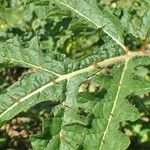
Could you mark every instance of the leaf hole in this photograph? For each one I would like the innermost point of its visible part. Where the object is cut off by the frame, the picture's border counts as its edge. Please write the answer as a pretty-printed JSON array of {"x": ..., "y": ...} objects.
[
  {"x": 82, "y": 112},
  {"x": 88, "y": 86},
  {"x": 142, "y": 72}
]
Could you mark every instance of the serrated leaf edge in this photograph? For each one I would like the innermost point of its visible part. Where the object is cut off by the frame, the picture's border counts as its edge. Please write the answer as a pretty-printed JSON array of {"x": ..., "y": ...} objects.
[{"x": 97, "y": 25}]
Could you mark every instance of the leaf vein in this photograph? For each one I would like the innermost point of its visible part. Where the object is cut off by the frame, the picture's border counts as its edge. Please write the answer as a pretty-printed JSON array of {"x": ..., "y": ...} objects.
[
  {"x": 93, "y": 22},
  {"x": 114, "y": 104}
]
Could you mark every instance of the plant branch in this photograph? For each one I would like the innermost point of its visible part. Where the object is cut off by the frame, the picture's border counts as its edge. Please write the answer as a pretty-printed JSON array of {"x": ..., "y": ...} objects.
[{"x": 102, "y": 64}]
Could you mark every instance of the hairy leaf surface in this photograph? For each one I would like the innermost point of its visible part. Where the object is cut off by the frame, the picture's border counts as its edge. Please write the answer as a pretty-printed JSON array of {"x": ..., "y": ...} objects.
[
  {"x": 93, "y": 15},
  {"x": 89, "y": 60},
  {"x": 96, "y": 127}
]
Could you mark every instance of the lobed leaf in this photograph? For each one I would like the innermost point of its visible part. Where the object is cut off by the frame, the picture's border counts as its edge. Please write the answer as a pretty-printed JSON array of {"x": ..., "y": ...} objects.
[
  {"x": 12, "y": 52},
  {"x": 91, "y": 100},
  {"x": 90, "y": 12},
  {"x": 93, "y": 122}
]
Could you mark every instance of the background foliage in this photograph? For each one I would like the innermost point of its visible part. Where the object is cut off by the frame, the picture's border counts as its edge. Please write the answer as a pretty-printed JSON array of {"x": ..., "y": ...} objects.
[{"x": 42, "y": 39}]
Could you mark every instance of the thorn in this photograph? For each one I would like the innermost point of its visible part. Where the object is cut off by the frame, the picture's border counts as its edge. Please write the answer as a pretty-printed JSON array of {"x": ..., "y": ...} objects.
[
  {"x": 14, "y": 99},
  {"x": 119, "y": 83},
  {"x": 127, "y": 50},
  {"x": 142, "y": 49},
  {"x": 54, "y": 82},
  {"x": 111, "y": 115},
  {"x": 61, "y": 136},
  {"x": 127, "y": 53},
  {"x": 64, "y": 105},
  {"x": 95, "y": 66},
  {"x": 17, "y": 101},
  {"x": 103, "y": 141},
  {"x": 143, "y": 46}
]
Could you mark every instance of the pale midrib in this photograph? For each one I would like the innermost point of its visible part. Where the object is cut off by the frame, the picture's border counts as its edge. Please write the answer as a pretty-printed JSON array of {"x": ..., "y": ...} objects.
[
  {"x": 64, "y": 117},
  {"x": 34, "y": 66},
  {"x": 101, "y": 64},
  {"x": 97, "y": 25},
  {"x": 114, "y": 105}
]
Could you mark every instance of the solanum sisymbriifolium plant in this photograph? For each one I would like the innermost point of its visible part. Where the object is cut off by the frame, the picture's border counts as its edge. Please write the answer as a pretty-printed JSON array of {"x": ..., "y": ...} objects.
[{"x": 90, "y": 58}]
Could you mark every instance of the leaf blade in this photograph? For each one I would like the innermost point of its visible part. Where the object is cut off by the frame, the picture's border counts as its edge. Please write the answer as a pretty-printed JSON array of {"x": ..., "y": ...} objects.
[{"x": 97, "y": 17}]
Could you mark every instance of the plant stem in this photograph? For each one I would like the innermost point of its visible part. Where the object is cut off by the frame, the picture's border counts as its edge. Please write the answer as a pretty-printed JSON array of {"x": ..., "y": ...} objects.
[{"x": 102, "y": 64}]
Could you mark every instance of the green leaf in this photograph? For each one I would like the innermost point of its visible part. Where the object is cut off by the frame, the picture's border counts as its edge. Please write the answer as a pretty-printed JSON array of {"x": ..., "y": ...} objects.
[
  {"x": 27, "y": 92},
  {"x": 72, "y": 55},
  {"x": 145, "y": 26},
  {"x": 80, "y": 126},
  {"x": 32, "y": 87},
  {"x": 95, "y": 16},
  {"x": 139, "y": 26},
  {"x": 12, "y": 52}
]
